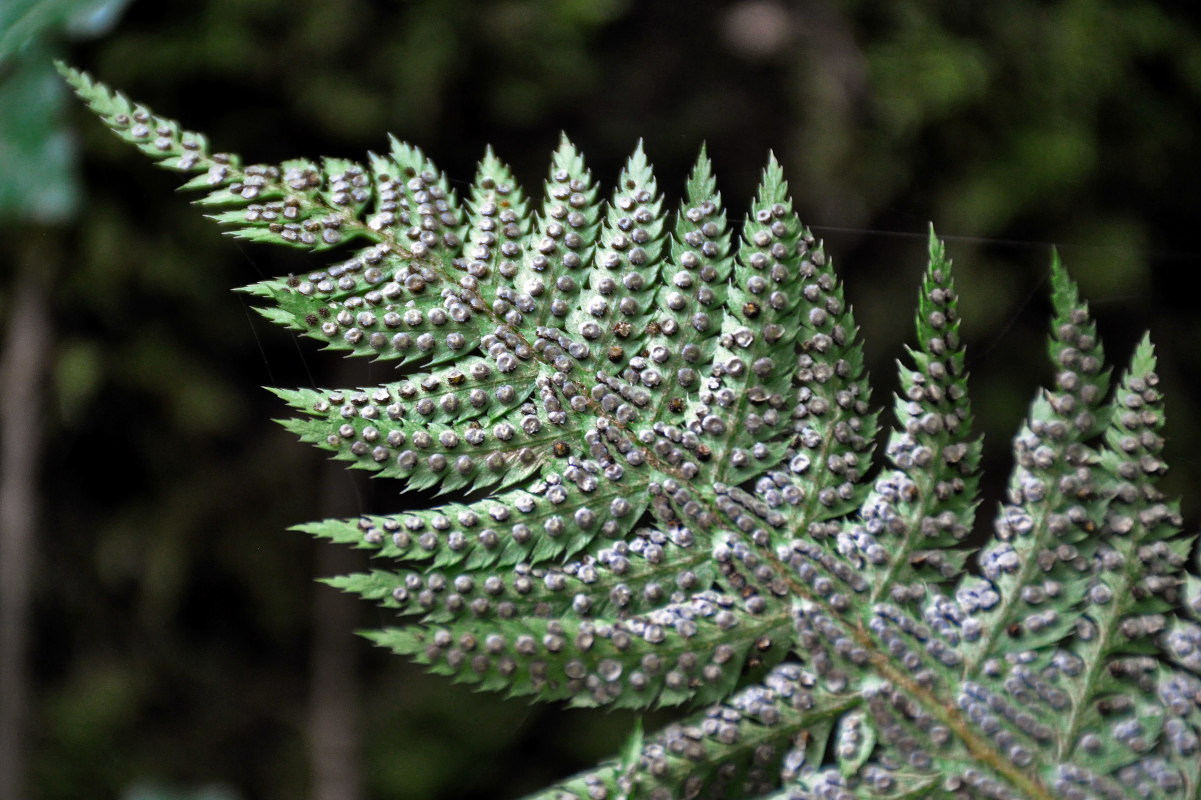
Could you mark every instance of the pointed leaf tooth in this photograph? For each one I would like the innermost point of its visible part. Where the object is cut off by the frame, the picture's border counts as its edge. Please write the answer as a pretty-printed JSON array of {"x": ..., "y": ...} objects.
[
  {"x": 632, "y": 749},
  {"x": 376, "y": 585},
  {"x": 623, "y": 275},
  {"x": 365, "y": 532},
  {"x": 500, "y": 224},
  {"x": 927, "y": 502},
  {"x": 554, "y": 269},
  {"x": 753, "y": 365},
  {"x": 694, "y": 279},
  {"x": 279, "y": 316},
  {"x": 307, "y": 400},
  {"x": 1077, "y": 354},
  {"x": 435, "y": 226}
]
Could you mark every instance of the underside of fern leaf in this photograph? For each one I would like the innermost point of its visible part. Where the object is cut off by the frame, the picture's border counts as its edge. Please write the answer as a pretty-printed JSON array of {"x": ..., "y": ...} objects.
[{"x": 658, "y": 432}]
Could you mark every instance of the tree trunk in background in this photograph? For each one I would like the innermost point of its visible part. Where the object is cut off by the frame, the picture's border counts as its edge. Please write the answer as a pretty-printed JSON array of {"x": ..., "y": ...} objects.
[
  {"x": 333, "y": 693},
  {"x": 22, "y": 369}
]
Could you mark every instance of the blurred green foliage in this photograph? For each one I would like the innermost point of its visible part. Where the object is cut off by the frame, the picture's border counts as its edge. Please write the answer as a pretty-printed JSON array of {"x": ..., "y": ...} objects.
[
  {"x": 173, "y": 609},
  {"x": 38, "y": 159}
]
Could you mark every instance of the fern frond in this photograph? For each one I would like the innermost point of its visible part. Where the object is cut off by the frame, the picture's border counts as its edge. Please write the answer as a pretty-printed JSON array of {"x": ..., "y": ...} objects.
[{"x": 662, "y": 432}]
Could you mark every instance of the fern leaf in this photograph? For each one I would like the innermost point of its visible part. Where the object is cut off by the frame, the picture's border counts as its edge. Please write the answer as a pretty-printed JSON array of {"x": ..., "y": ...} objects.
[{"x": 660, "y": 438}]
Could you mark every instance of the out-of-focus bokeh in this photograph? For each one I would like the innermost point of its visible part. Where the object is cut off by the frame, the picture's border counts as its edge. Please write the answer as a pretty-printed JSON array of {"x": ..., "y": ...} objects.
[{"x": 176, "y": 644}]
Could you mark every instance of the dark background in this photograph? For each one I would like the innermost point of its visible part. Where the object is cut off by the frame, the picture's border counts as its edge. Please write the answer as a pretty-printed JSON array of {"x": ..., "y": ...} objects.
[{"x": 179, "y": 645}]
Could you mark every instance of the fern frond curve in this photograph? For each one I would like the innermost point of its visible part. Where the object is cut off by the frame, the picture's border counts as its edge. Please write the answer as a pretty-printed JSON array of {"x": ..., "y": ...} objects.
[{"x": 657, "y": 435}]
